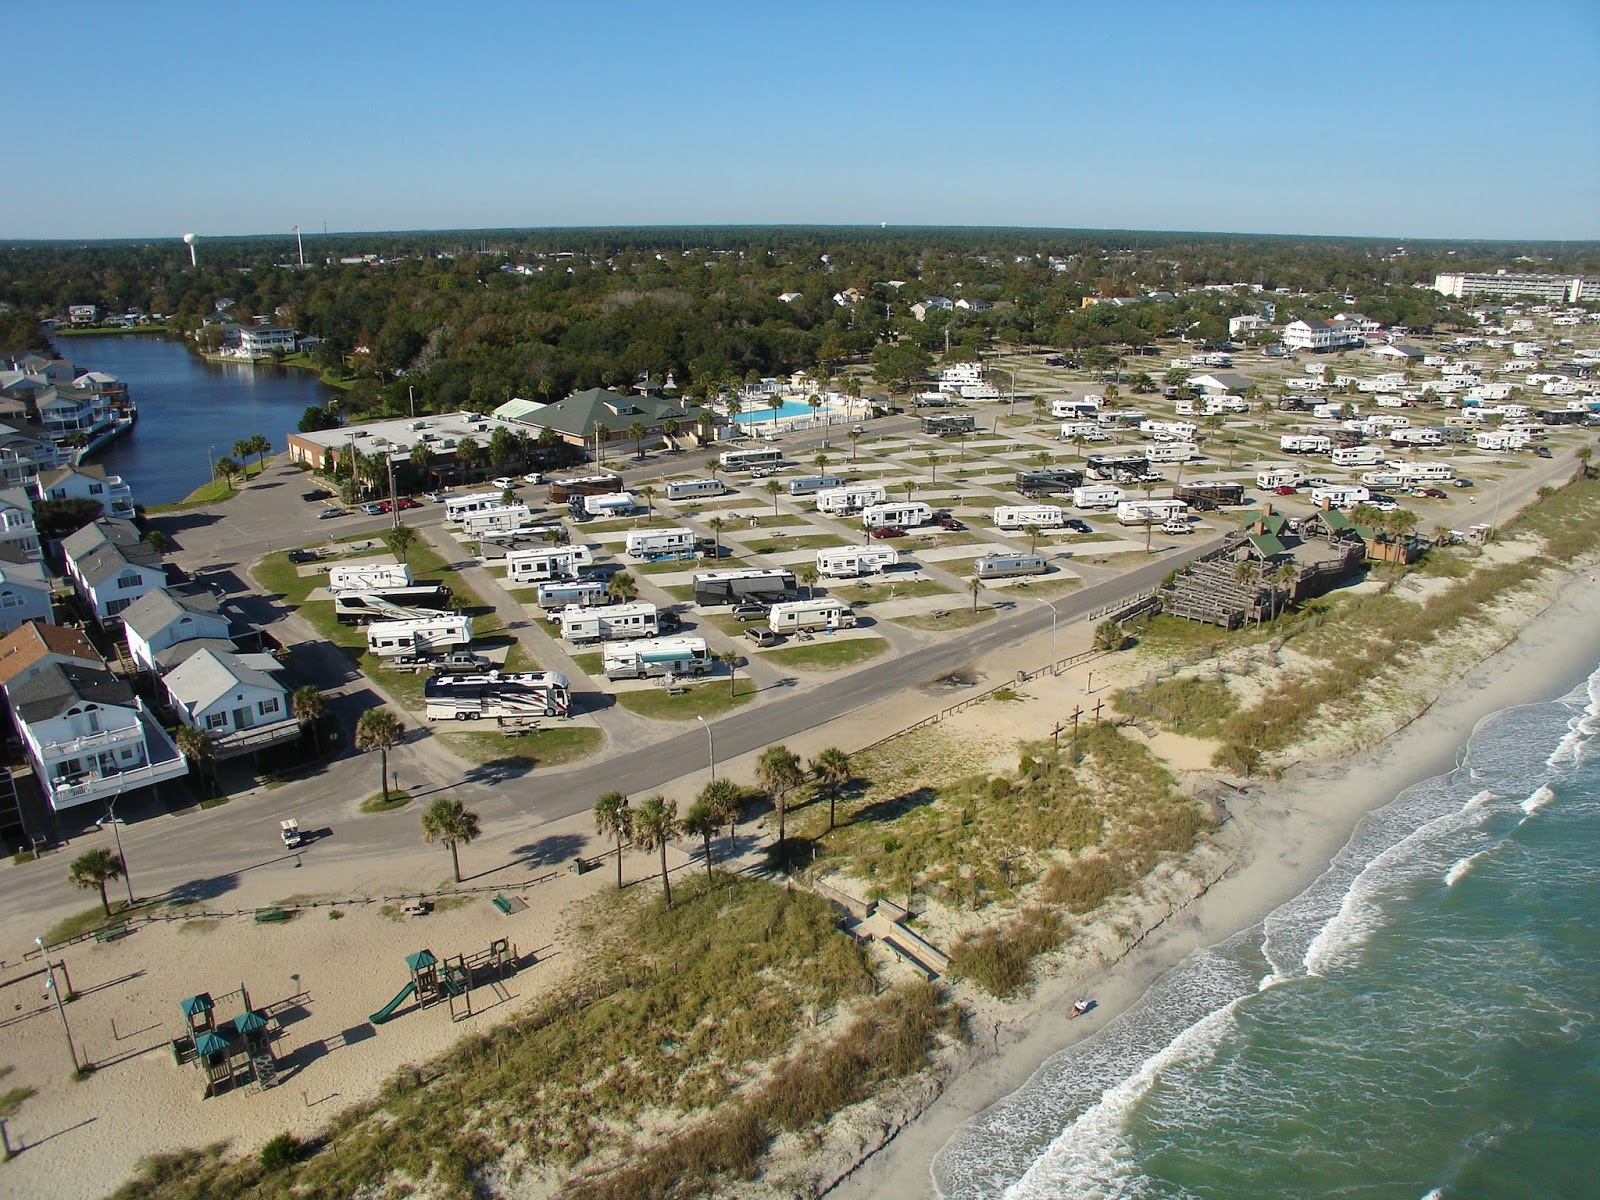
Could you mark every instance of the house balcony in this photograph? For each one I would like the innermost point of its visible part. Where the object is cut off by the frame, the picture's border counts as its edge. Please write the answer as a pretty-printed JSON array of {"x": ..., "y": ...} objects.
[
  {"x": 163, "y": 763},
  {"x": 257, "y": 737},
  {"x": 92, "y": 743}
]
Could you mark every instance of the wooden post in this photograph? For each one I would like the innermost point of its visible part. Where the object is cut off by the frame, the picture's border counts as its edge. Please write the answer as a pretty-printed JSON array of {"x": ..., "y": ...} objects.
[
  {"x": 1098, "y": 705},
  {"x": 1076, "y": 713},
  {"x": 5, "y": 1142}
]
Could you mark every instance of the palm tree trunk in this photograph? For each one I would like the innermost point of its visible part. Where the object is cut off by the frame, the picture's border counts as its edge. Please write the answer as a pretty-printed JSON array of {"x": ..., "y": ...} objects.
[
  {"x": 383, "y": 774},
  {"x": 783, "y": 820},
  {"x": 619, "y": 860},
  {"x": 455, "y": 860},
  {"x": 666, "y": 884},
  {"x": 833, "y": 800},
  {"x": 104, "y": 903},
  {"x": 708, "y": 855}
]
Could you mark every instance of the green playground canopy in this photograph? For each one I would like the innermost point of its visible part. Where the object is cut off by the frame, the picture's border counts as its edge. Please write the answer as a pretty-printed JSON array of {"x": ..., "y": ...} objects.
[
  {"x": 210, "y": 1043},
  {"x": 197, "y": 1004},
  {"x": 422, "y": 958},
  {"x": 250, "y": 1022}
]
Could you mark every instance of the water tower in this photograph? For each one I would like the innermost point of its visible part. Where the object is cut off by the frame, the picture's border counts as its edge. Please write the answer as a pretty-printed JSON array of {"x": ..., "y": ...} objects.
[{"x": 189, "y": 240}]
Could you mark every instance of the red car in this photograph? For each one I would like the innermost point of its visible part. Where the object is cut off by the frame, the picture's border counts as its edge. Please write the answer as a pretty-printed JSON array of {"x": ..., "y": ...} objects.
[
  {"x": 381, "y": 505},
  {"x": 1432, "y": 493},
  {"x": 402, "y": 505},
  {"x": 946, "y": 521},
  {"x": 889, "y": 531},
  {"x": 1285, "y": 491}
]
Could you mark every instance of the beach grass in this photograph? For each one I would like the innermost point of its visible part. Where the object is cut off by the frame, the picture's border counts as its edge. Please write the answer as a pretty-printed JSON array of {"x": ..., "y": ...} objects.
[
  {"x": 828, "y": 655},
  {"x": 377, "y": 803}
]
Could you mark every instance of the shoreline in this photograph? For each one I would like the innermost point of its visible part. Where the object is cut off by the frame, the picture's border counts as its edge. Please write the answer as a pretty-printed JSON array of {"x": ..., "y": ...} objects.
[{"x": 1286, "y": 834}]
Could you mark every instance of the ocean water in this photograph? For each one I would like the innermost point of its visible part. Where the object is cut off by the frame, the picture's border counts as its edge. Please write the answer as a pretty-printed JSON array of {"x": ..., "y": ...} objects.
[{"x": 1422, "y": 1023}]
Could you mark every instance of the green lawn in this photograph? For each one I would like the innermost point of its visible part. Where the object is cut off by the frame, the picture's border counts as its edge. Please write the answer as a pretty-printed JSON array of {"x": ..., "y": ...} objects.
[
  {"x": 589, "y": 663},
  {"x": 828, "y": 655},
  {"x": 953, "y": 618},
  {"x": 548, "y": 746},
  {"x": 215, "y": 492},
  {"x": 865, "y": 593},
  {"x": 701, "y": 700},
  {"x": 375, "y": 803}
]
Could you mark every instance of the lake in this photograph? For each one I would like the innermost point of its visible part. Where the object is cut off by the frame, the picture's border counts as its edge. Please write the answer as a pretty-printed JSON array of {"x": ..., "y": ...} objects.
[{"x": 190, "y": 410}]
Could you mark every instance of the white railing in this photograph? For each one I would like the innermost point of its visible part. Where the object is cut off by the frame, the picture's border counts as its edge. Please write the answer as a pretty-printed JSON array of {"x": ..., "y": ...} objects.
[
  {"x": 96, "y": 784},
  {"x": 90, "y": 741}
]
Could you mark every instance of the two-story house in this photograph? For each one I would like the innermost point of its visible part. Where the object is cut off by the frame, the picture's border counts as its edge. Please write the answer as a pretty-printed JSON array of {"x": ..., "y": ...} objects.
[
  {"x": 87, "y": 482},
  {"x": 25, "y": 450},
  {"x": 110, "y": 567},
  {"x": 88, "y": 737},
  {"x": 159, "y": 620},
  {"x": 25, "y": 591},
  {"x": 233, "y": 698},
  {"x": 17, "y": 529}
]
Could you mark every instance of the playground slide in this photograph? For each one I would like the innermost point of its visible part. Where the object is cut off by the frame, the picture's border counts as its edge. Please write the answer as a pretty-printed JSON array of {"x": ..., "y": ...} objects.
[{"x": 387, "y": 1011}]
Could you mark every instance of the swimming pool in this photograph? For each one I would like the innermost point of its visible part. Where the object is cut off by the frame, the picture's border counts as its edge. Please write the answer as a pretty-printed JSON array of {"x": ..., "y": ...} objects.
[{"x": 791, "y": 408}]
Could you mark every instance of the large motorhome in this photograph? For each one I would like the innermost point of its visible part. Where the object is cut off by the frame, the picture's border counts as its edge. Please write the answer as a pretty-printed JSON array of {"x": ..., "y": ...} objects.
[
  {"x": 617, "y": 623},
  {"x": 839, "y": 502},
  {"x": 497, "y": 696},
  {"x": 1150, "y": 512},
  {"x": 362, "y": 607},
  {"x": 902, "y": 514},
  {"x": 1276, "y": 477},
  {"x": 847, "y": 562},
  {"x": 356, "y": 577},
  {"x": 693, "y": 489},
  {"x": 807, "y": 484},
  {"x": 1097, "y": 495},
  {"x": 563, "y": 491},
  {"x": 457, "y": 507},
  {"x": 949, "y": 424},
  {"x": 1206, "y": 496},
  {"x": 1065, "y": 406},
  {"x": 1116, "y": 466},
  {"x": 1000, "y": 566},
  {"x": 1339, "y": 496},
  {"x": 431, "y": 635},
  {"x": 1180, "y": 431},
  {"x": 546, "y": 562},
  {"x": 560, "y": 594},
  {"x": 656, "y": 657},
  {"x": 1165, "y": 452},
  {"x": 609, "y": 504},
  {"x": 496, "y": 520},
  {"x": 792, "y": 616},
  {"x": 752, "y": 585},
  {"x": 653, "y": 545},
  {"x": 749, "y": 460},
  {"x": 1053, "y": 479},
  {"x": 1020, "y": 516},
  {"x": 1356, "y": 456},
  {"x": 1417, "y": 436},
  {"x": 1088, "y": 431}
]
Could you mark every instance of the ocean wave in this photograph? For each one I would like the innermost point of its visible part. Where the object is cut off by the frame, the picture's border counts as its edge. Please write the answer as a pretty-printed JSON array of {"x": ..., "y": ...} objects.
[
  {"x": 1540, "y": 798},
  {"x": 1461, "y": 867},
  {"x": 1582, "y": 728}
]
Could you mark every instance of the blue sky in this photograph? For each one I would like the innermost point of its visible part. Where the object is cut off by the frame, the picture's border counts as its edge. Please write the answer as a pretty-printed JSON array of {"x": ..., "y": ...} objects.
[{"x": 1411, "y": 119}]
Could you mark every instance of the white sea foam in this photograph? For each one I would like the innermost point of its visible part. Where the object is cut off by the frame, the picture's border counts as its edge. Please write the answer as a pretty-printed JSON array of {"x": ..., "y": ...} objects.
[
  {"x": 1436, "y": 1194},
  {"x": 1461, "y": 867},
  {"x": 1582, "y": 728},
  {"x": 1541, "y": 798}
]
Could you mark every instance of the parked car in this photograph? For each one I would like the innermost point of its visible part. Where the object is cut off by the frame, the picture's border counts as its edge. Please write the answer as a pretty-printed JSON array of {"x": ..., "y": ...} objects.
[
  {"x": 316, "y": 494},
  {"x": 1384, "y": 505},
  {"x": 946, "y": 521},
  {"x": 889, "y": 531},
  {"x": 1432, "y": 493},
  {"x": 304, "y": 556},
  {"x": 405, "y": 503},
  {"x": 462, "y": 660},
  {"x": 1542, "y": 451},
  {"x": 762, "y": 636},
  {"x": 1462, "y": 483},
  {"x": 533, "y": 477},
  {"x": 503, "y": 482},
  {"x": 1284, "y": 490},
  {"x": 325, "y": 513},
  {"x": 667, "y": 621},
  {"x": 375, "y": 509},
  {"x": 1176, "y": 526},
  {"x": 748, "y": 612},
  {"x": 1074, "y": 525},
  {"x": 435, "y": 497}
]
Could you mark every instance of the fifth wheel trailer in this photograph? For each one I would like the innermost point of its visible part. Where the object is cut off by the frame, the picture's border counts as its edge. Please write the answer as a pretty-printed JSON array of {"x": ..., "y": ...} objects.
[
  {"x": 1020, "y": 516},
  {"x": 436, "y": 635},
  {"x": 1150, "y": 512},
  {"x": 472, "y": 697},
  {"x": 847, "y": 562},
  {"x": 614, "y": 624},
  {"x": 900, "y": 513},
  {"x": 656, "y": 544},
  {"x": 657, "y": 656}
]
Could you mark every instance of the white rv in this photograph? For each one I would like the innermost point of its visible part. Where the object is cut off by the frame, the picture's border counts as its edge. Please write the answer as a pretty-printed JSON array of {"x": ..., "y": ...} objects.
[
  {"x": 790, "y": 616},
  {"x": 560, "y": 594},
  {"x": 655, "y": 657},
  {"x": 546, "y": 562},
  {"x": 457, "y": 507},
  {"x": 840, "y": 502},
  {"x": 1001, "y": 566},
  {"x": 1339, "y": 496},
  {"x": 1356, "y": 456},
  {"x": 1151, "y": 512},
  {"x": 847, "y": 562},
  {"x": 654, "y": 544},
  {"x": 1167, "y": 452},
  {"x": 1101, "y": 495},
  {"x": 431, "y": 635},
  {"x": 903, "y": 514},
  {"x": 1065, "y": 406},
  {"x": 1416, "y": 437},
  {"x": 1385, "y": 478},
  {"x": 615, "y": 624},
  {"x": 505, "y": 517},
  {"x": 1276, "y": 477},
  {"x": 692, "y": 489},
  {"x": 1305, "y": 443},
  {"x": 1087, "y": 430},
  {"x": 611, "y": 504},
  {"x": 1177, "y": 430},
  {"x": 496, "y": 695},
  {"x": 371, "y": 577},
  {"x": 1020, "y": 516},
  {"x": 1424, "y": 472}
]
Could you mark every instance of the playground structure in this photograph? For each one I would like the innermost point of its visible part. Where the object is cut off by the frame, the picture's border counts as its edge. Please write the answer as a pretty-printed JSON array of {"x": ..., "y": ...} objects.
[
  {"x": 453, "y": 979},
  {"x": 230, "y": 1052}
]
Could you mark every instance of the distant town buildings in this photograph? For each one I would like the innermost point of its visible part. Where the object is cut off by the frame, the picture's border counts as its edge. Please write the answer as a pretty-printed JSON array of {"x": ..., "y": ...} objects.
[
  {"x": 1562, "y": 289},
  {"x": 1316, "y": 334}
]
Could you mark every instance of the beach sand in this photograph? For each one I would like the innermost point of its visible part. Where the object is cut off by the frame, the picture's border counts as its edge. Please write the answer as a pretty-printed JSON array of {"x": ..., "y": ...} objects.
[{"x": 1285, "y": 834}]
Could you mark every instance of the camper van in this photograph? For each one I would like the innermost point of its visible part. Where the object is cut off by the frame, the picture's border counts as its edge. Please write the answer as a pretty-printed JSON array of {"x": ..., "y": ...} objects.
[
  {"x": 505, "y": 518},
  {"x": 653, "y": 545},
  {"x": 693, "y": 489},
  {"x": 1166, "y": 452},
  {"x": 496, "y": 696},
  {"x": 848, "y": 562},
  {"x": 1000, "y": 566},
  {"x": 432, "y": 635},
  {"x": 556, "y": 595},
  {"x": 546, "y": 562},
  {"x": 839, "y": 502},
  {"x": 611, "y": 504},
  {"x": 753, "y": 585},
  {"x": 355, "y": 577},
  {"x": 1357, "y": 456},
  {"x": 792, "y": 616},
  {"x": 1020, "y": 516},
  {"x": 1277, "y": 477},
  {"x": 903, "y": 514},
  {"x": 807, "y": 484},
  {"x": 618, "y": 623},
  {"x": 657, "y": 657},
  {"x": 1151, "y": 512},
  {"x": 1097, "y": 496},
  {"x": 1337, "y": 496}
]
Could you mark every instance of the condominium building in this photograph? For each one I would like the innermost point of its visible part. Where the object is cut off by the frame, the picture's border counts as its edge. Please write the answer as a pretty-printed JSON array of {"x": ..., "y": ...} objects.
[{"x": 1560, "y": 289}]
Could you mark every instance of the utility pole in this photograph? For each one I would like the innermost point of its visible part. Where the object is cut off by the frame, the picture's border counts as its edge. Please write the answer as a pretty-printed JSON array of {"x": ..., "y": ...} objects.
[
  {"x": 55, "y": 990},
  {"x": 394, "y": 507}
]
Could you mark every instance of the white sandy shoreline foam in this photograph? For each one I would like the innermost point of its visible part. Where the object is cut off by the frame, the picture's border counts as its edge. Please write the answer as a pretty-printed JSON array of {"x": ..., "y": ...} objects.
[{"x": 1290, "y": 833}]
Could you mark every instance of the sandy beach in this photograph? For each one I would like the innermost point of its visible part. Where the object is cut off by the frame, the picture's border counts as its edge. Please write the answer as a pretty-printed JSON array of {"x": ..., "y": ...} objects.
[{"x": 1285, "y": 834}]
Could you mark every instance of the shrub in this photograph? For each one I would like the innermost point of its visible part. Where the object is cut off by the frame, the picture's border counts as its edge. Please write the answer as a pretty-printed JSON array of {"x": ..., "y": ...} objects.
[
  {"x": 280, "y": 1152},
  {"x": 1087, "y": 883},
  {"x": 997, "y": 959},
  {"x": 999, "y": 787}
]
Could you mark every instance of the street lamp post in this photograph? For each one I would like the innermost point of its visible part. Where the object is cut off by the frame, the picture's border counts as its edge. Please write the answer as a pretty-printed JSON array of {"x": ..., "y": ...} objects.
[
  {"x": 211, "y": 465},
  {"x": 711, "y": 747},
  {"x": 116, "y": 824},
  {"x": 55, "y": 990}
]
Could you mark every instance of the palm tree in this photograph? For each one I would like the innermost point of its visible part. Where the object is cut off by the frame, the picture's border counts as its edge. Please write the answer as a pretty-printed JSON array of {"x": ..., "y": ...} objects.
[
  {"x": 614, "y": 819},
  {"x": 1584, "y": 454},
  {"x": 831, "y": 769},
  {"x": 242, "y": 451},
  {"x": 92, "y": 869},
  {"x": 422, "y": 459},
  {"x": 730, "y": 659},
  {"x": 225, "y": 468},
  {"x": 451, "y": 822},
  {"x": 808, "y": 576},
  {"x": 1108, "y": 635},
  {"x": 400, "y": 539},
  {"x": 380, "y": 730},
  {"x": 1033, "y": 532},
  {"x": 778, "y": 768},
  {"x": 702, "y": 822},
  {"x": 669, "y": 430},
  {"x": 975, "y": 585},
  {"x": 621, "y": 587},
  {"x": 649, "y": 494},
  {"x": 773, "y": 488},
  {"x": 855, "y": 443},
  {"x": 468, "y": 455},
  {"x": 637, "y": 430},
  {"x": 655, "y": 823},
  {"x": 196, "y": 746},
  {"x": 717, "y": 525},
  {"x": 260, "y": 446},
  {"x": 726, "y": 802},
  {"x": 309, "y": 706},
  {"x": 821, "y": 461},
  {"x": 774, "y": 402}
]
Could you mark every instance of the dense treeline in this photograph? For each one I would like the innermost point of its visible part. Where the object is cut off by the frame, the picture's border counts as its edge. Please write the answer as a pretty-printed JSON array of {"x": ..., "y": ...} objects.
[{"x": 603, "y": 307}]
